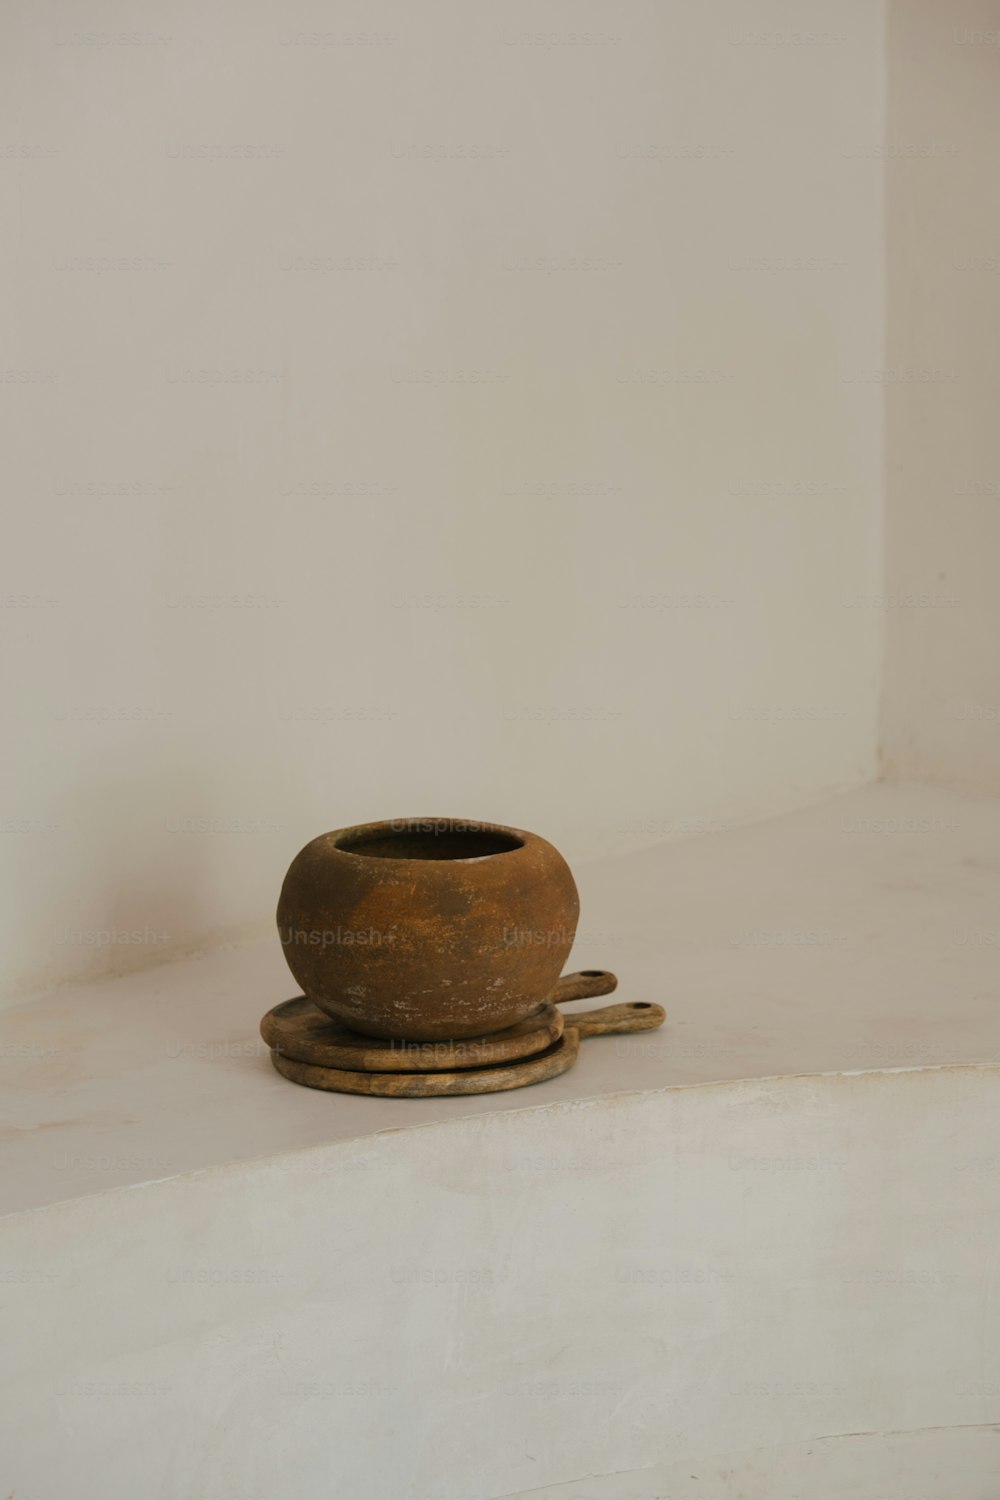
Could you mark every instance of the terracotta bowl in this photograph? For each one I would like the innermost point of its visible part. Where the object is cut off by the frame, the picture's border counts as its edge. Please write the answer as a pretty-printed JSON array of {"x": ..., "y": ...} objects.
[{"x": 427, "y": 929}]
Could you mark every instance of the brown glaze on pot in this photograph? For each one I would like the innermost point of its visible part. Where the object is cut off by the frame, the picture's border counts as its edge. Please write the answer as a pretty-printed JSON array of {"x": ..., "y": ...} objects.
[{"x": 428, "y": 929}]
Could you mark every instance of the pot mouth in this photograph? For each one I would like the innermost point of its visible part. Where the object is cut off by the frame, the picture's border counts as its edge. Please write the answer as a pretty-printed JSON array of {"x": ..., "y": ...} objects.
[{"x": 429, "y": 839}]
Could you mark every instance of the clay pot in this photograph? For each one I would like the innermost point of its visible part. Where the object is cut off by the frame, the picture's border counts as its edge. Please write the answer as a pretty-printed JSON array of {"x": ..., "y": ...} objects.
[{"x": 428, "y": 929}]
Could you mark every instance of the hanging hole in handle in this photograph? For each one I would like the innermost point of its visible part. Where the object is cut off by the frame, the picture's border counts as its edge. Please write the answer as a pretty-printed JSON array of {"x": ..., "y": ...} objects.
[
  {"x": 593, "y": 973},
  {"x": 641, "y": 1005}
]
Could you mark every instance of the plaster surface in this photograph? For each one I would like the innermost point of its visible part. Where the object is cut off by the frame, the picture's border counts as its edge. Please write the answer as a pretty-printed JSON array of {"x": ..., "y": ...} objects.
[
  {"x": 752, "y": 1257},
  {"x": 375, "y": 384},
  {"x": 860, "y": 933},
  {"x": 759, "y": 1290},
  {"x": 941, "y": 719}
]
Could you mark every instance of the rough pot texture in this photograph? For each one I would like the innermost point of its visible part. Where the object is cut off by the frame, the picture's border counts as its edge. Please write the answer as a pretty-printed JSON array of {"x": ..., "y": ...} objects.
[{"x": 426, "y": 929}]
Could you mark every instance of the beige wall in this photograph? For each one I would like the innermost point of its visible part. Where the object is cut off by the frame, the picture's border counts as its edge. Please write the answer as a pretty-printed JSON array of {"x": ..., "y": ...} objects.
[
  {"x": 942, "y": 699},
  {"x": 486, "y": 432}
]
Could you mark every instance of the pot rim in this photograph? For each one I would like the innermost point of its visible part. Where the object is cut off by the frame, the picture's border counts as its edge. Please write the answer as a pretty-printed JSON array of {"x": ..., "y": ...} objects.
[{"x": 517, "y": 840}]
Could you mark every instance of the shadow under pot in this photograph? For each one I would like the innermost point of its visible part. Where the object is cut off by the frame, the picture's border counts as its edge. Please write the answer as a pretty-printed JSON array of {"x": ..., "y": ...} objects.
[{"x": 428, "y": 929}]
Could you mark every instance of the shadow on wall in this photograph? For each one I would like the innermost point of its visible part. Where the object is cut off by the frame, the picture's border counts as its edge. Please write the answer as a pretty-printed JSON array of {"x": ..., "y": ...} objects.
[{"x": 139, "y": 911}]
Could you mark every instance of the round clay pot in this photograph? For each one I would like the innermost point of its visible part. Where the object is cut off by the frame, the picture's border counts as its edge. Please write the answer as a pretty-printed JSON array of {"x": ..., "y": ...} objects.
[{"x": 428, "y": 929}]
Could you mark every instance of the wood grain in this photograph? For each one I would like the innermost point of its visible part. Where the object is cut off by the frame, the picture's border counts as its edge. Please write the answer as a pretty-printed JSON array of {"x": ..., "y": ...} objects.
[
  {"x": 494, "y": 1078},
  {"x": 299, "y": 1030}
]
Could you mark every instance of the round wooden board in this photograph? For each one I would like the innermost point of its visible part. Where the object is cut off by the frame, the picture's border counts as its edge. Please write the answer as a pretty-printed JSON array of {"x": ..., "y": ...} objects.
[
  {"x": 494, "y": 1079},
  {"x": 302, "y": 1030},
  {"x": 302, "y": 1033}
]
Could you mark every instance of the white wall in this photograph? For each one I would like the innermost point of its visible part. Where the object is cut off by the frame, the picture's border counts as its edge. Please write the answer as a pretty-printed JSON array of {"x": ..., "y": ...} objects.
[
  {"x": 942, "y": 704},
  {"x": 605, "y": 573}
]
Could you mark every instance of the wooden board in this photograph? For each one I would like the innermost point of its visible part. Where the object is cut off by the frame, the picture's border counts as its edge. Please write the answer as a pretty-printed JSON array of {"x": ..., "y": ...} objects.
[
  {"x": 298, "y": 1030},
  {"x": 301, "y": 1033},
  {"x": 495, "y": 1078}
]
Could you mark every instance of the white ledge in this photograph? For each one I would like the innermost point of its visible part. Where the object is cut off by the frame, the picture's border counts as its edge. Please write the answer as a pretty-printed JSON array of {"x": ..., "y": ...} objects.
[{"x": 857, "y": 935}]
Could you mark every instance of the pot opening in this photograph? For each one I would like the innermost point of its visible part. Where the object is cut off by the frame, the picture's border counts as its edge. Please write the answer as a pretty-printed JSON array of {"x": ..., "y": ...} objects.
[{"x": 435, "y": 838}]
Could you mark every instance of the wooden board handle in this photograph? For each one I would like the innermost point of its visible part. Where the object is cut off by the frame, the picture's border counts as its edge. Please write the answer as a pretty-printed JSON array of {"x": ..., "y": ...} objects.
[
  {"x": 586, "y": 984},
  {"x": 634, "y": 1015}
]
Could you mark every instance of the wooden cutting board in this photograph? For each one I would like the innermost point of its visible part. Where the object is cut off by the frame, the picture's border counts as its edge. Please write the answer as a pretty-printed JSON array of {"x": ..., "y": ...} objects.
[
  {"x": 493, "y": 1078},
  {"x": 299, "y": 1030}
]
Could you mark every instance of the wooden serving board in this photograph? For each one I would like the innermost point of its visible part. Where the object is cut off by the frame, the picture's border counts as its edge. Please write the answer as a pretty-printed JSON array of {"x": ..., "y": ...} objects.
[
  {"x": 300, "y": 1031},
  {"x": 490, "y": 1079}
]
